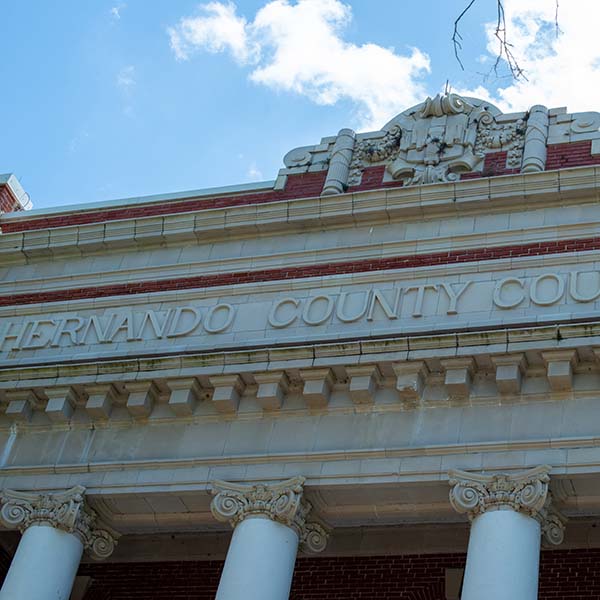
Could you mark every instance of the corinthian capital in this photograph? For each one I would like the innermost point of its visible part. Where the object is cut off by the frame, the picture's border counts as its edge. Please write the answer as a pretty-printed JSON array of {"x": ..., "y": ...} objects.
[
  {"x": 525, "y": 492},
  {"x": 281, "y": 502},
  {"x": 62, "y": 510}
]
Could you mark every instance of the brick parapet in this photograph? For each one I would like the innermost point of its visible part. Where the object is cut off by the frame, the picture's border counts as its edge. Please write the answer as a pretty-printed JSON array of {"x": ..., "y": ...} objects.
[
  {"x": 8, "y": 203},
  {"x": 303, "y": 185}
]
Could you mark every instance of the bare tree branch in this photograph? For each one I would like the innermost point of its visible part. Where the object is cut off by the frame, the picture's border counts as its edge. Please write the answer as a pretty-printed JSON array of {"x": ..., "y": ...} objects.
[
  {"x": 505, "y": 52},
  {"x": 505, "y": 47},
  {"x": 457, "y": 38}
]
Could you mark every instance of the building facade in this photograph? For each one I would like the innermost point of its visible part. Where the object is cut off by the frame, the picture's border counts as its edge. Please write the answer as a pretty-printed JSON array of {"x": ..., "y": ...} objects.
[{"x": 377, "y": 376}]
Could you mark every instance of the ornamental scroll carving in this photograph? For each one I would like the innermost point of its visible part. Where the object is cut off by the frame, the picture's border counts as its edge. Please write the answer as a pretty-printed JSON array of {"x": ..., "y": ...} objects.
[
  {"x": 62, "y": 510},
  {"x": 281, "y": 502},
  {"x": 525, "y": 492},
  {"x": 440, "y": 140}
]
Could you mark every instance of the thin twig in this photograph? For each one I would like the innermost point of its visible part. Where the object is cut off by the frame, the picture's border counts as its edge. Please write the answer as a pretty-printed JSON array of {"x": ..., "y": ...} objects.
[
  {"x": 556, "y": 25},
  {"x": 457, "y": 38},
  {"x": 505, "y": 48},
  {"x": 505, "y": 52}
]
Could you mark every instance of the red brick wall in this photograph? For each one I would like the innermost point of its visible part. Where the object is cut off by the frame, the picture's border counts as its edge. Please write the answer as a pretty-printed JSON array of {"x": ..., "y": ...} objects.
[
  {"x": 8, "y": 202},
  {"x": 494, "y": 164},
  {"x": 564, "y": 575},
  {"x": 305, "y": 185},
  {"x": 575, "y": 154}
]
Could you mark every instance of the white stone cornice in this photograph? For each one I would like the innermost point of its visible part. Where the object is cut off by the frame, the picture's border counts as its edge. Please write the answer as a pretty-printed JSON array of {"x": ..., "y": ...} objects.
[
  {"x": 525, "y": 492},
  {"x": 62, "y": 510},
  {"x": 281, "y": 502}
]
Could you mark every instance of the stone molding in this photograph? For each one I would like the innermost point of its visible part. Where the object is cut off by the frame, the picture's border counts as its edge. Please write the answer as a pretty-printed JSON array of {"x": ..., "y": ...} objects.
[
  {"x": 281, "y": 502},
  {"x": 525, "y": 492},
  {"x": 63, "y": 510}
]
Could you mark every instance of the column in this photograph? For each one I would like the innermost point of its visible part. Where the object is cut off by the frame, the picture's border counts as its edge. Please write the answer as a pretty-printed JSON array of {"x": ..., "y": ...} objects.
[
  {"x": 508, "y": 515},
  {"x": 270, "y": 523},
  {"x": 56, "y": 529}
]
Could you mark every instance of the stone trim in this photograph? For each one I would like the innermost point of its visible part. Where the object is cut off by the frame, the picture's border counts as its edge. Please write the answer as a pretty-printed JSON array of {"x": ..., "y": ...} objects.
[
  {"x": 220, "y": 377},
  {"x": 525, "y": 492},
  {"x": 298, "y": 186},
  {"x": 63, "y": 510},
  {"x": 281, "y": 502},
  {"x": 186, "y": 220},
  {"x": 308, "y": 271}
]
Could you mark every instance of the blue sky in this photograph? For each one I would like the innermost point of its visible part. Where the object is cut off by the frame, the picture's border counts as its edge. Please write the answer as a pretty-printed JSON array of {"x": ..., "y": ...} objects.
[{"x": 108, "y": 99}]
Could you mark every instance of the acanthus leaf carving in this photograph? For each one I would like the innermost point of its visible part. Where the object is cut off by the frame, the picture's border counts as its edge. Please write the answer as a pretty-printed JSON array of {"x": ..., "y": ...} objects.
[
  {"x": 525, "y": 492},
  {"x": 282, "y": 502},
  {"x": 63, "y": 510},
  {"x": 440, "y": 139}
]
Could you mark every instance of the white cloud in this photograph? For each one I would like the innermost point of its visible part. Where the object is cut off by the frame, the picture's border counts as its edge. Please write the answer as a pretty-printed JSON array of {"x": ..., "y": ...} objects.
[
  {"x": 254, "y": 173},
  {"x": 126, "y": 83},
  {"x": 126, "y": 78},
  {"x": 298, "y": 47},
  {"x": 115, "y": 11},
  {"x": 216, "y": 29},
  {"x": 561, "y": 70}
]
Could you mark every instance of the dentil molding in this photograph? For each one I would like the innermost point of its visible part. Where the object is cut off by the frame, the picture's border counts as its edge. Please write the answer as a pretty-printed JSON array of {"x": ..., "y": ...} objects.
[
  {"x": 62, "y": 510},
  {"x": 281, "y": 502},
  {"x": 525, "y": 492}
]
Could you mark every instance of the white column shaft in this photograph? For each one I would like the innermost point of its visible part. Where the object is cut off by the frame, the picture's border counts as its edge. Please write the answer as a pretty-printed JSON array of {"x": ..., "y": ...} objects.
[
  {"x": 503, "y": 557},
  {"x": 44, "y": 566},
  {"x": 260, "y": 561}
]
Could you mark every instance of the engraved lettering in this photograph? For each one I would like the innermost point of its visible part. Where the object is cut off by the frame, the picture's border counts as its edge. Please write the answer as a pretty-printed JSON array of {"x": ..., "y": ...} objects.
[
  {"x": 326, "y": 314},
  {"x": 574, "y": 292},
  {"x": 498, "y": 297},
  {"x": 179, "y": 317},
  {"x": 64, "y": 329},
  {"x": 150, "y": 318},
  {"x": 275, "y": 321},
  {"x": 341, "y": 304},
  {"x": 208, "y": 322},
  {"x": 101, "y": 335},
  {"x": 37, "y": 338},
  {"x": 377, "y": 297},
  {"x": 454, "y": 296},
  {"x": 420, "y": 289},
  {"x": 124, "y": 324},
  {"x": 558, "y": 294},
  {"x": 9, "y": 334}
]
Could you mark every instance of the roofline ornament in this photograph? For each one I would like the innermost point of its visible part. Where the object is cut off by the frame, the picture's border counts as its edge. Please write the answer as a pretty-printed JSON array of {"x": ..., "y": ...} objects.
[
  {"x": 281, "y": 502},
  {"x": 63, "y": 510},
  {"x": 444, "y": 104}
]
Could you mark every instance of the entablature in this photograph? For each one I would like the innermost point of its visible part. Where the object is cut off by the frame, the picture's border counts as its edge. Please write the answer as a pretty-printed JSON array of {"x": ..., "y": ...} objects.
[{"x": 552, "y": 363}]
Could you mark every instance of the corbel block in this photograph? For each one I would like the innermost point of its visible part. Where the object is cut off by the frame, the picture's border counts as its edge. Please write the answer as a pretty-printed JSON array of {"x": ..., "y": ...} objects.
[
  {"x": 410, "y": 380},
  {"x": 459, "y": 376},
  {"x": 559, "y": 368},
  {"x": 364, "y": 382},
  {"x": 142, "y": 396},
  {"x": 61, "y": 403},
  {"x": 100, "y": 401},
  {"x": 185, "y": 394},
  {"x": 228, "y": 391},
  {"x": 318, "y": 384},
  {"x": 509, "y": 372},
  {"x": 272, "y": 388},
  {"x": 20, "y": 405}
]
